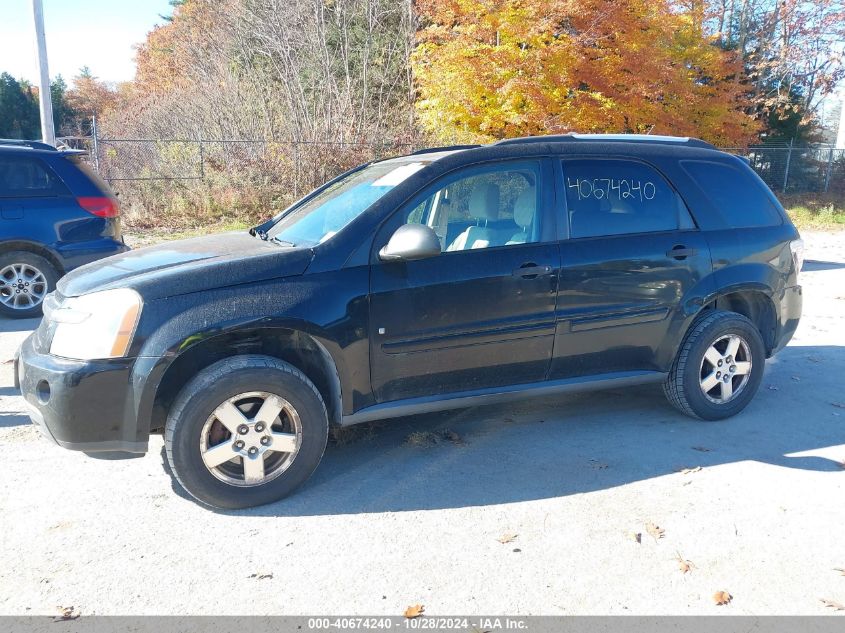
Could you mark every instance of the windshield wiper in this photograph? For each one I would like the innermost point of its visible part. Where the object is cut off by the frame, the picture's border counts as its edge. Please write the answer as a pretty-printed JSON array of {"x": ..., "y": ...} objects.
[
  {"x": 280, "y": 242},
  {"x": 259, "y": 233}
]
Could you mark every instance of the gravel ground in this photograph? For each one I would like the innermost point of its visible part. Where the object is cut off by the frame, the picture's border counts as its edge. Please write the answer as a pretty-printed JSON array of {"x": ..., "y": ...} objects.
[{"x": 405, "y": 515}]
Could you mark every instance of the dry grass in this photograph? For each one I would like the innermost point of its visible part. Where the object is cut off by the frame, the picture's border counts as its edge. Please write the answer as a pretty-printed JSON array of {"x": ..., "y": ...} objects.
[
  {"x": 817, "y": 211},
  {"x": 138, "y": 237}
]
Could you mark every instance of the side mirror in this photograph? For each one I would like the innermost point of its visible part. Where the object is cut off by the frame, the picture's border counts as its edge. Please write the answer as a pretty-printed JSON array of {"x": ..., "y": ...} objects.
[{"x": 411, "y": 242}]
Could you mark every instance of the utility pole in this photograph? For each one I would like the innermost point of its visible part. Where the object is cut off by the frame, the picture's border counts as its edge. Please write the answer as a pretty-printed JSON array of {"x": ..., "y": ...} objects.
[{"x": 48, "y": 131}]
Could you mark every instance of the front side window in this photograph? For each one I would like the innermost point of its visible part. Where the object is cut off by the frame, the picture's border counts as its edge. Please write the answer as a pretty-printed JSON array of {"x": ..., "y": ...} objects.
[
  {"x": 617, "y": 197},
  {"x": 483, "y": 208},
  {"x": 26, "y": 177},
  {"x": 321, "y": 217}
]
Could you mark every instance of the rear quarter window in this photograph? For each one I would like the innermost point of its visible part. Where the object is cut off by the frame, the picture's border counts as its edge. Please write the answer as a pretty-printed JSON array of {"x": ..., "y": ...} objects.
[
  {"x": 741, "y": 199},
  {"x": 28, "y": 177},
  {"x": 92, "y": 181}
]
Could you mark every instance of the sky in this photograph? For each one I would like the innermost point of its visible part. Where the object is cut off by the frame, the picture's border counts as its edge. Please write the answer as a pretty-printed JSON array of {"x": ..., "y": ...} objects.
[{"x": 99, "y": 34}]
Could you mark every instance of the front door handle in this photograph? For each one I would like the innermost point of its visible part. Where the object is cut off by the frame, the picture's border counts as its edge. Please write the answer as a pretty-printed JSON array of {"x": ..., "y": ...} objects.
[
  {"x": 531, "y": 271},
  {"x": 681, "y": 252}
]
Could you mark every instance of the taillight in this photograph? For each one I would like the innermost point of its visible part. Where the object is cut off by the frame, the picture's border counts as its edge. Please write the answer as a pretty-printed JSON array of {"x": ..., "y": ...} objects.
[
  {"x": 101, "y": 206},
  {"x": 797, "y": 248}
]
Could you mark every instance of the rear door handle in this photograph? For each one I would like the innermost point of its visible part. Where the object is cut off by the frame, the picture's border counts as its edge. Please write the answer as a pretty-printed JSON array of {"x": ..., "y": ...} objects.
[
  {"x": 531, "y": 271},
  {"x": 681, "y": 252}
]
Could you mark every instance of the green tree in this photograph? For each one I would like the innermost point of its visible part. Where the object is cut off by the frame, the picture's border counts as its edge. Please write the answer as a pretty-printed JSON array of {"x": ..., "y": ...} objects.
[
  {"x": 19, "y": 117},
  {"x": 62, "y": 112}
]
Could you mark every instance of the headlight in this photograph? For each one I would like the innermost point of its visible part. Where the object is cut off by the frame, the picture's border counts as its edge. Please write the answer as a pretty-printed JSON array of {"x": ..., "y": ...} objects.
[{"x": 98, "y": 325}]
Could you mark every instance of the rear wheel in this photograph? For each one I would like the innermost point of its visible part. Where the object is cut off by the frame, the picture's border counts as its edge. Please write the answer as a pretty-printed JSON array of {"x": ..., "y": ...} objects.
[
  {"x": 246, "y": 431},
  {"x": 25, "y": 279},
  {"x": 718, "y": 368}
]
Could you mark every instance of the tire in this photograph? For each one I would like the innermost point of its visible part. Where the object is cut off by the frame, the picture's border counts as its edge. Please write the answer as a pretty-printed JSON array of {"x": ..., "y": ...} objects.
[
  {"x": 25, "y": 279},
  {"x": 697, "y": 367},
  {"x": 194, "y": 431}
]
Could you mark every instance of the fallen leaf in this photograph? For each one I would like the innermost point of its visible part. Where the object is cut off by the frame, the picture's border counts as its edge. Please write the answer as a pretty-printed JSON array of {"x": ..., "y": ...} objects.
[
  {"x": 517, "y": 550},
  {"x": 838, "y": 405},
  {"x": 67, "y": 613},
  {"x": 655, "y": 531},
  {"x": 414, "y": 611},
  {"x": 836, "y": 606},
  {"x": 507, "y": 537},
  {"x": 702, "y": 449},
  {"x": 683, "y": 564},
  {"x": 597, "y": 465},
  {"x": 636, "y": 536},
  {"x": 9, "y": 362},
  {"x": 796, "y": 378},
  {"x": 722, "y": 597},
  {"x": 260, "y": 576},
  {"x": 772, "y": 388},
  {"x": 814, "y": 359},
  {"x": 840, "y": 570}
]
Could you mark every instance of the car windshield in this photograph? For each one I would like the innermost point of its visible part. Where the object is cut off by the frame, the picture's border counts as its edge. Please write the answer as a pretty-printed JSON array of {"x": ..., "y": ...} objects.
[{"x": 321, "y": 217}]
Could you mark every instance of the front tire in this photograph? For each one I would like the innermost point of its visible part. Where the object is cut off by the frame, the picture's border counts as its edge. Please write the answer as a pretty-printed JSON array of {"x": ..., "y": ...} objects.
[
  {"x": 25, "y": 279},
  {"x": 246, "y": 431},
  {"x": 718, "y": 368}
]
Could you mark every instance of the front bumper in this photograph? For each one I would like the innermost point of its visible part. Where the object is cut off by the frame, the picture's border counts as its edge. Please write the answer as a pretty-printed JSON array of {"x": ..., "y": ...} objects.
[{"x": 80, "y": 405}]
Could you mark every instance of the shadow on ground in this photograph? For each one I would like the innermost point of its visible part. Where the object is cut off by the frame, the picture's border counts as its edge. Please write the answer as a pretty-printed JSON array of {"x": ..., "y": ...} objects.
[
  {"x": 813, "y": 265},
  {"x": 552, "y": 447},
  {"x": 18, "y": 325}
]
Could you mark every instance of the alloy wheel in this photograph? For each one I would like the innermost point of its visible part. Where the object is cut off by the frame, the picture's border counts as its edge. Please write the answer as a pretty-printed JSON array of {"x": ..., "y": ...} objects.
[
  {"x": 725, "y": 368},
  {"x": 22, "y": 286},
  {"x": 251, "y": 438}
]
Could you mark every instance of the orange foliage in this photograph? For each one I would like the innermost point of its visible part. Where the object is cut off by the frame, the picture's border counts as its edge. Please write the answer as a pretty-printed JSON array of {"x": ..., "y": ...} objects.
[
  {"x": 171, "y": 50},
  {"x": 489, "y": 69}
]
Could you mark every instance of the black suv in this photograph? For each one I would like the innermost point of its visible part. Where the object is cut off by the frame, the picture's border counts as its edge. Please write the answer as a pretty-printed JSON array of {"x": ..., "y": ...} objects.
[
  {"x": 448, "y": 278},
  {"x": 55, "y": 215}
]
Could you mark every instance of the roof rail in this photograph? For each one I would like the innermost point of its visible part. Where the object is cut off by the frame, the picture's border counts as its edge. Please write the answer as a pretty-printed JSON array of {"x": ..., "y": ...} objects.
[
  {"x": 24, "y": 143},
  {"x": 623, "y": 138},
  {"x": 445, "y": 148}
]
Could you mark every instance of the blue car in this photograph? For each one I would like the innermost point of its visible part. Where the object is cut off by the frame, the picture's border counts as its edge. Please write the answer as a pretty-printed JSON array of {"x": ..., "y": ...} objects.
[{"x": 55, "y": 215}]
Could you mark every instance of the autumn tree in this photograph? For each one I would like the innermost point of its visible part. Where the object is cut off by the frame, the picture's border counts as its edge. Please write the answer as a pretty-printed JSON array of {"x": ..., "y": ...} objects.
[
  {"x": 88, "y": 97},
  {"x": 792, "y": 52},
  {"x": 489, "y": 69}
]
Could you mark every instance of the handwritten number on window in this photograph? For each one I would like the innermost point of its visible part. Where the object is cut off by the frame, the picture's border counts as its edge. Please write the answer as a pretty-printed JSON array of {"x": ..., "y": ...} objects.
[{"x": 623, "y": 189}]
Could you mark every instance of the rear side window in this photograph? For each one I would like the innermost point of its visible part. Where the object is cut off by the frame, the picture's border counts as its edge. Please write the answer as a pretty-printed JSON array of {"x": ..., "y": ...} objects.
[
  {"x": 26, "y": 177},
  {"x": 741, "y": 199},
  {"x": 617, "y": 197}
]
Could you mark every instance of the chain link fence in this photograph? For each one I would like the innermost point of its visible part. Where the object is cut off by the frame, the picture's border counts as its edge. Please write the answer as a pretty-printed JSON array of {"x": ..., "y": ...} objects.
[
  {"x": 785, "y": 168},
  {"x": 196, "y": 180},
  {"x": 793, "y": 169},
  {"x": 307, "y": 164}
]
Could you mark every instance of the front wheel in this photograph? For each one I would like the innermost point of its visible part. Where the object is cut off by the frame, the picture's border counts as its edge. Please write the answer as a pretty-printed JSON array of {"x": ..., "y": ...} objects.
[
  {"x": 25, "y": 279},
  {"x": 246, "y": 431},
  {"x": 718, "y": 368}
]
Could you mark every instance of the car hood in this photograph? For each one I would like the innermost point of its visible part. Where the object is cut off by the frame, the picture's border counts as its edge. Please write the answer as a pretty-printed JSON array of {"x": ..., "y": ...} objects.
[{"x": 192, "y": 265}]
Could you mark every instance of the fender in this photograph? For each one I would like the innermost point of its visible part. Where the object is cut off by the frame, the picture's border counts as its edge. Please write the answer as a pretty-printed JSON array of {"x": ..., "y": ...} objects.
[
  {"x": 149, "y": 371},
  {"x": 339, "y": 328},
  {"x": 38, "y": 248}
]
